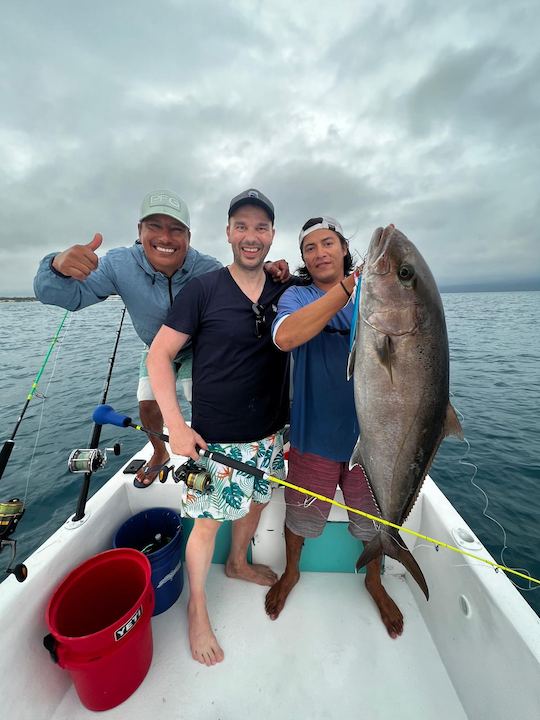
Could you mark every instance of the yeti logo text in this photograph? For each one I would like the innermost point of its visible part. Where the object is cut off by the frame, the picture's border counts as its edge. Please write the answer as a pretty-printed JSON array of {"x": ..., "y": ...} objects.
[
  {"x": 163, "y": 199},
  {"x": 122, "y": 631}
]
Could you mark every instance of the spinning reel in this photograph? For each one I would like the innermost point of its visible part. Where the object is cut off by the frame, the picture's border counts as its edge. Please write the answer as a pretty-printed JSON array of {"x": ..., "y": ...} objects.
[{"x": 194, "y": 476}]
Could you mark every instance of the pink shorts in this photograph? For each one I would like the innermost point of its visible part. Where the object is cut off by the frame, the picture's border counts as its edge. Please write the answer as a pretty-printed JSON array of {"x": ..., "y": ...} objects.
[{"x": 306, "y": 516}]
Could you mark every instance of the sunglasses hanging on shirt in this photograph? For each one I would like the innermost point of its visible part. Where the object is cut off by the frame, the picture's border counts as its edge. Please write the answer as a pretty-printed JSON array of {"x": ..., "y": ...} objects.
[{"x": 260, "y": 321}]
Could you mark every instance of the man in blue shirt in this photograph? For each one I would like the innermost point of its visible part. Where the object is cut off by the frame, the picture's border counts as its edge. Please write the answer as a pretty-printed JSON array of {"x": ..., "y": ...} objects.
[
  {"x": 314, "y": 322},
  {"x": 147, "y": 276}
]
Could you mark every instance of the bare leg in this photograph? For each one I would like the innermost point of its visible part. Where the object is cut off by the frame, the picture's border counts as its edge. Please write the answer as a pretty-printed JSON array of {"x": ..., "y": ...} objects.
[
  {"x": 237, "y": 565},
  {"x": 391, "y": 615},
  {"x": 278, "y": 593},
  {"x": 200, "y": 547},
  {"x": 151, "y": 418}
]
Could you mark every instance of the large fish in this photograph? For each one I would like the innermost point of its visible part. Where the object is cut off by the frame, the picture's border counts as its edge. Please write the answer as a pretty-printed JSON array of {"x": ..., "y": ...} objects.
[{"x": 401, "y": 370}]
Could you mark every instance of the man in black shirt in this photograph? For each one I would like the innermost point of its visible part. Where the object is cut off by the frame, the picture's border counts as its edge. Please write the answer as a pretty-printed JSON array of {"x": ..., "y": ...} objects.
[{"x": 240, "y": 401}]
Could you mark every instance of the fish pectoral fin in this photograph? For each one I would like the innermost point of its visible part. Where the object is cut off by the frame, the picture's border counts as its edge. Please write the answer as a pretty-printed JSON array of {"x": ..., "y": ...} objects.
[
  {"x": 356, "y": 457},
  {"x": 384, "y": 351},
  {"x": 452, "y": 426},
  {"x": 350, "y": 362}
]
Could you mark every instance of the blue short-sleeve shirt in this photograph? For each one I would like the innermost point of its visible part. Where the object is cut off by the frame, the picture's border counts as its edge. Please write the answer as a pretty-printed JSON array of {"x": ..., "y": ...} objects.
[{"x": 323, "y": 416}]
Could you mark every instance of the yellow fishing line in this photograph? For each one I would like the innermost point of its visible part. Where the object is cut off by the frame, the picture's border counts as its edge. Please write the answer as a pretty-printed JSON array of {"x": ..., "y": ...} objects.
[
  {"x": 401, "y": 527},
  {"x": 374, "y": 518}
]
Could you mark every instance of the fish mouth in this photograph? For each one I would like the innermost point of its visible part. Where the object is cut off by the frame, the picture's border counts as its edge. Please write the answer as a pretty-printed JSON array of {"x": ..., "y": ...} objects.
[
  {"x": 391, "y": 310},
  {"x": 378, "y": 255}
]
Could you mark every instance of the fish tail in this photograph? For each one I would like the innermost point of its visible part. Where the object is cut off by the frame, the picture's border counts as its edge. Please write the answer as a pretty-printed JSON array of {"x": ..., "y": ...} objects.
[
  {"x": 389, "y": 543},
  {"x": 395, "y": 548},
  {"x": 372, "y": 550}
]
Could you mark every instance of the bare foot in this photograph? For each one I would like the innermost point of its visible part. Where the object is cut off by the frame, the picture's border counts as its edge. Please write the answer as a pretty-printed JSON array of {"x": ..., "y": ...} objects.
[
  {"x": 278, "y": 594},
  {"x": 391, "y": 615},
  {"x": 259, "y": 574},
  {"x": 204, "y": 645},
  {"x": 157, "y": 459}
]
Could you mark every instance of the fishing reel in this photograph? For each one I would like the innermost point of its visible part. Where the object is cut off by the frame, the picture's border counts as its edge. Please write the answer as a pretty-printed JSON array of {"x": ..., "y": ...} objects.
[
  {"x": 88, "y": 460},
  {"x": 10, "y": 514},
  {"x": 194, "y": 476}
]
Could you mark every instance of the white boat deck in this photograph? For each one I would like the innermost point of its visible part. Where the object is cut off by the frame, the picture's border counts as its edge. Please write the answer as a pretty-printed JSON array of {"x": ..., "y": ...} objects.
[
  {"x": 327, "y": 656},
  {"x": 472, "y": 651}
]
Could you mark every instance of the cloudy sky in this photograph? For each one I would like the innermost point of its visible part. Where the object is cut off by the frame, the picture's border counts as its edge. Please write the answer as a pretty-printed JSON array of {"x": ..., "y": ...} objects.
[{"x": 424, "y": 114}]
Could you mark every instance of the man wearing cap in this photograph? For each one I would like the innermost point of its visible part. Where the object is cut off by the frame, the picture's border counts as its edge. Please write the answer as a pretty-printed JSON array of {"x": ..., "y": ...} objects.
[
  {"x": 314, "y": 321},
  {"x": 240, "y": 401},
  {"x": 147, "y": 276}
]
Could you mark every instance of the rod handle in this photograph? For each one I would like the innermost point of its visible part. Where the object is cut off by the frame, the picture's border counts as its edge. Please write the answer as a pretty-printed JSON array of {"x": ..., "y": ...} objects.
[{"x": 230, "y": 462}]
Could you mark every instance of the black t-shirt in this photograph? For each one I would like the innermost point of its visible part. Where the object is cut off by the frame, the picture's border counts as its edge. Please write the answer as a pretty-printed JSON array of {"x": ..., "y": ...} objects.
[{"x": 240, "y": 381}]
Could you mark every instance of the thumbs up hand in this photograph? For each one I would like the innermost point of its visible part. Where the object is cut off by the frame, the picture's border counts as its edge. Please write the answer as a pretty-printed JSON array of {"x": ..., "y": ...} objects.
[{"x": 78, "y": 261}]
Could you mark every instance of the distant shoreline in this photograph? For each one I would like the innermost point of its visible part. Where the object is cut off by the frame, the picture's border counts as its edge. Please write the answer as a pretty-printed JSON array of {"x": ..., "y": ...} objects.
[
  {"x": 31, "y": 298},
  {"x": 18, "y": 299},
  {"x": 532, "y": 287}
]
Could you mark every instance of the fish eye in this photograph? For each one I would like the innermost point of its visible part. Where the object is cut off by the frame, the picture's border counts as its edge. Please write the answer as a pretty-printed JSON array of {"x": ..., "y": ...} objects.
[{"x": 406, "y": 274}]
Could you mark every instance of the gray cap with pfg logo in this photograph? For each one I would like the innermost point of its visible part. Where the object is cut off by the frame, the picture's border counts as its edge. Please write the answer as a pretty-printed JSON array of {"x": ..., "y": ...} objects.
[{"x": 165, "y": 202}]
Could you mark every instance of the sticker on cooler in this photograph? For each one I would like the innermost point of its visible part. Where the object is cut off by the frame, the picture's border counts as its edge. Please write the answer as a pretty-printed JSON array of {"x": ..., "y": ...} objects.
[{"x": 126, "y": 627}]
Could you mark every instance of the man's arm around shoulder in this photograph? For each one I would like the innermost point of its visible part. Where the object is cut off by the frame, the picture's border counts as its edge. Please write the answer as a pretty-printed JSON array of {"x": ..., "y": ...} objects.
[{"x": 305, "y": 323}]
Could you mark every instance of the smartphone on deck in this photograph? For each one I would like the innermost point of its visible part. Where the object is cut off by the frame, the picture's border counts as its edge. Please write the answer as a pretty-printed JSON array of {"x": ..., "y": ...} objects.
[{"x": 133, "y": 466}]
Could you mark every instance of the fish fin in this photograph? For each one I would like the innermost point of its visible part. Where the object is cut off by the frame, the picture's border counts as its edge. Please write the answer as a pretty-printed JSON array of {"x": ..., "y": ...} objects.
[
  {"x": 384, "y": 352},
  {"x": 452, "y": 426},
  {"x": 372, "y": 550},
  {"x": 350, "y": 362},
  {"x": 394, "y": 547},
  {"x": 356, "y": 457}
]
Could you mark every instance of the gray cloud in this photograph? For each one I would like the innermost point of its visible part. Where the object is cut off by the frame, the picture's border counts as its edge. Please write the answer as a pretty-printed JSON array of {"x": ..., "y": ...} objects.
[{"x": 402, "y": 112}]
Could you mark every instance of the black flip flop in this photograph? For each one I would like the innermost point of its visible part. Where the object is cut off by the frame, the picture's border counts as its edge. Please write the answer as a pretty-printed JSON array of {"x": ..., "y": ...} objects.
[{"x": 147, "y": 469}]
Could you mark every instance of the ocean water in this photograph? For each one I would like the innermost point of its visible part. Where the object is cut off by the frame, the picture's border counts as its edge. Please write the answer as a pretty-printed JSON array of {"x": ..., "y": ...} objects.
[{"x": 495, "y": 385}]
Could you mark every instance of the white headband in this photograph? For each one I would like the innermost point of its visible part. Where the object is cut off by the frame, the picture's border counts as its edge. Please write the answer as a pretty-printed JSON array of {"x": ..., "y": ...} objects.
[{"x": 327, "y": 223}]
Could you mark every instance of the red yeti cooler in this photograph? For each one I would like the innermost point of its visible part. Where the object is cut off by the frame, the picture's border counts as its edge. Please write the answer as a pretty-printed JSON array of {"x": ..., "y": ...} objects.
[{"x": 99, "y": 618}]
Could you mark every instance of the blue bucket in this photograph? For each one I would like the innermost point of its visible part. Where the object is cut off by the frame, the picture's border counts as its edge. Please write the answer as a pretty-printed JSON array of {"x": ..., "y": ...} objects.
[{"x": 158, "y": 534}]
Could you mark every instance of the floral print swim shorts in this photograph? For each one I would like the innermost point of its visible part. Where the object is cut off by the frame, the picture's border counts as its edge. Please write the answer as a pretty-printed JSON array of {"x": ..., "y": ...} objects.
[{"x": 233, "y": 490}]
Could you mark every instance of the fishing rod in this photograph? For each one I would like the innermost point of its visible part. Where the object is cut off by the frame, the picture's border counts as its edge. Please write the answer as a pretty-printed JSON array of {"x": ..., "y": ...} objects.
[
  {"x": 12, "y": 511},
  {"x": 107, "y": 415},
  {"x": 90, "y": 459},
  {"x": 10, "y": 444}
]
